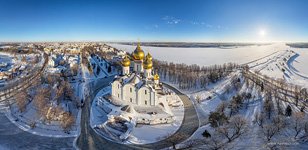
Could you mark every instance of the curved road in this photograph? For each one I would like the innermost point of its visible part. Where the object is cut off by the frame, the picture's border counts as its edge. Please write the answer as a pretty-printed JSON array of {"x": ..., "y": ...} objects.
[
  {"x": 13, "y": 138},
  {"x": 90, "y": 140}
]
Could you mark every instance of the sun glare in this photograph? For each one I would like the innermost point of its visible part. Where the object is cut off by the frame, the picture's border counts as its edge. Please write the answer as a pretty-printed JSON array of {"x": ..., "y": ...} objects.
[{"x": 262, "y": 33}]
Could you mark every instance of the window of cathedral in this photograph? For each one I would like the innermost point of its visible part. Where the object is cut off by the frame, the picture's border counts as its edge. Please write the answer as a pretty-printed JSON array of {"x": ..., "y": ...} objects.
[
  {"x": 130, "y": 89},
  {"x": 131, "y": 100},
  {"x": 145, "y": 92},
  {"x": 145, "y": 102}
]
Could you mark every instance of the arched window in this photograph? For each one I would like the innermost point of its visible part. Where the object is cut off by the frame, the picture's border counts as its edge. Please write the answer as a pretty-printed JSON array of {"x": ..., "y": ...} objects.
[{"x": 145, "y": 92}]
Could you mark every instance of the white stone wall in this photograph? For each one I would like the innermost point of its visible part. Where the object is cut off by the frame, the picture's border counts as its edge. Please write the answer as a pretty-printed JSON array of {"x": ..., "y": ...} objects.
[
  {"x": 138, "y": 67},
  {"x": 154, "y": 98},
  {"x": 148, "y": 73},
  {"x": 129, "y": 93},
  {"x": 116, "y": 89},
  {"x": 125, "y": 70},
  {"x": 144, "y": 98}
]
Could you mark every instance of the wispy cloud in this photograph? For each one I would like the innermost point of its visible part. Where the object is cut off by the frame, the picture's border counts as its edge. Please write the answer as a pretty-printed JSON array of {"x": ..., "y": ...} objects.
[
  {"x": 150, "y": 27},
  {"x": 195, "y": 22},
  {"x": 171, "y": 20},
  {"x": 207, "y": 25}
]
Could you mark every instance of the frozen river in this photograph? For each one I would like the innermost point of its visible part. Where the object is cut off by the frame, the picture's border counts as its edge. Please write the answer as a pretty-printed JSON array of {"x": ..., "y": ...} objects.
[
  {"x": 211, "y": 56},
  {"x": 206, "y": 56}
]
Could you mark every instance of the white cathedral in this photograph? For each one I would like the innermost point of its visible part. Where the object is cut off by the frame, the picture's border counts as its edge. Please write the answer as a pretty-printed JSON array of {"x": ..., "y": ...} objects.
[{"x": 137, "y": 84}]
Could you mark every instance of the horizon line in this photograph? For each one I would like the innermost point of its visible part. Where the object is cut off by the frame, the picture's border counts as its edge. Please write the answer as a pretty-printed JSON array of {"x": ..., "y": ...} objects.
[{"x": 123, "y": 41}]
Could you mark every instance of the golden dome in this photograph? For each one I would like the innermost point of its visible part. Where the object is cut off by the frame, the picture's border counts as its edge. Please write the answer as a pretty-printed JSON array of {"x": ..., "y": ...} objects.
[
  {"x": 149, "y": 56},
  {"x": 147, "y": 64},
  {"x": 156, "y": 77},
  {"x": 125, "y": 62},
  {"x": 138, "y": 53}
]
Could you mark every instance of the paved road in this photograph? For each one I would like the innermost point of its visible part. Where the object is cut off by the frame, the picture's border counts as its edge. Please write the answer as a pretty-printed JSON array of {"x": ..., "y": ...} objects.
[
  {"x": 89, "y": 140},
  {"x": 13, "y": 138}
]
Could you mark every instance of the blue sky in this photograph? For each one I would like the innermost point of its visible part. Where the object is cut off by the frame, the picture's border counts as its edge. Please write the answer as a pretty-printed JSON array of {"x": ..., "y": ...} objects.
[{"x": 154, "y": 20}]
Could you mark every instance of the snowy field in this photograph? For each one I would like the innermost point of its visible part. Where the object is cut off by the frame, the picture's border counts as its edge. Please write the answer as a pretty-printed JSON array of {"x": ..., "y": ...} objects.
[
  {"x": 301, "y": 62},
  {"x": 287, "y": 65}
]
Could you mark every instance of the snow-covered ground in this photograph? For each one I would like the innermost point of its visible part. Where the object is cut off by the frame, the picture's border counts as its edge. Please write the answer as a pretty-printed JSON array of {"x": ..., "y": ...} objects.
[
  {"x": 30, "y": 116},
  {"x": 49, "y": 130},
  {"x": 5, "y": 58},
  {"x": 253, "y": 138},
  {"x": 157, "y": 132},
  {"x": 17, "y": 67},
  {"x": 283, "y": 65},
  {"x": 301, "y": 62}
]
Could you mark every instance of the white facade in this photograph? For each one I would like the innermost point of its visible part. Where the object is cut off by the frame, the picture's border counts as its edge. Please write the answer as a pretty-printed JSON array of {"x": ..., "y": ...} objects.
[
  {"x": 148, "y": 73},
  {"x": 125, "y": 70},
  {"x": 140, "y": 93},
  {"x": 138, "y": 67},
  {"x": 138, "y": 86},
  {"x": 51, "y": 62}
]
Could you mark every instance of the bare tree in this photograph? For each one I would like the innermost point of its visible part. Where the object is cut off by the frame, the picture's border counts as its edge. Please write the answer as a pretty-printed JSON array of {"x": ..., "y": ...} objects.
[
  {"x": 305, "y": 136},
  {"x": 236, "y": 127},
  {"x": 68, "y": 121},
  {"x": 269, "y": 130},
  {"x": 260, "y": 118},
  {"x": 222, "y": 107},
  {"x": 59, "y": 92},
  {"x": 50, "y": 79},
  {"x": 268, "y": 107},
  {"x": 213, "y": 143},
  {"x": 74, "y": 69},
  {"x": 280, "y": 122},
  {"x": 67, "y": 89},
  {"x": 173, "y": 139},
  {"x": 21, "y": 100},
  {"x": 298, "y": 123},
  {"x": 40, "y": 102}
]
